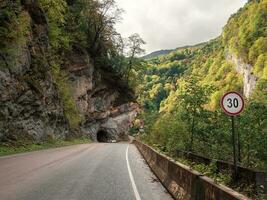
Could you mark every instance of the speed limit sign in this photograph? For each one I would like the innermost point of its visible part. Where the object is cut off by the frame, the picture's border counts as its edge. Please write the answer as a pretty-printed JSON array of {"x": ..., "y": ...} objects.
[{"x": 232, "y": 103}]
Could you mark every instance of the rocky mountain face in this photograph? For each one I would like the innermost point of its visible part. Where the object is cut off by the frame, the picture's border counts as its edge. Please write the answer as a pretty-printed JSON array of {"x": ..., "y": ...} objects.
[
  {"x": 28, "y": 107},
  {"x": 249, "y": 79},
  {"x": 104, "y": 103},
  {"x": 30, "y": 104}
]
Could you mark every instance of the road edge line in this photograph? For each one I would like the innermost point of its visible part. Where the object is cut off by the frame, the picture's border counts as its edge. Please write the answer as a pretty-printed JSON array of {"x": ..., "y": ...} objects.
[{"x": 136, "y": 193}]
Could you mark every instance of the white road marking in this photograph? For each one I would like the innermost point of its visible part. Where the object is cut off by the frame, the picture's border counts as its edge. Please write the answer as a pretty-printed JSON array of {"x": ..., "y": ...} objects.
[{"x": 136, "y": 193}]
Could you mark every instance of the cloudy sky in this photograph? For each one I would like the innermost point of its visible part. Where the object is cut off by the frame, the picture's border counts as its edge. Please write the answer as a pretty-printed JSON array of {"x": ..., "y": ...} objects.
[{"x": 167, "y": 24}]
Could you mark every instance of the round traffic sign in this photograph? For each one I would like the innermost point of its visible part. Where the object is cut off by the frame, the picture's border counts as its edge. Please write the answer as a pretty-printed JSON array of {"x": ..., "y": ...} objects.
[{"x": 232, "y": 103}]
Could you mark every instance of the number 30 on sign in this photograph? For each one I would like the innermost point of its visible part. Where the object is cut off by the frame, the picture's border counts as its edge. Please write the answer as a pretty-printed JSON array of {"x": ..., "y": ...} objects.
[{"x": 232, "y": 103}]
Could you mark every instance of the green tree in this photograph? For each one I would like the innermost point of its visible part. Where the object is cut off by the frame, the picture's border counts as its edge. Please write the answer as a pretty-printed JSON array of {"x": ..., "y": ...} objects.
[
  {"x": 253, "y": 125},
  {"x": 192, "y": 98},
  {"x": 101, "y": 16},
  {"x": 134, "y": 44}
]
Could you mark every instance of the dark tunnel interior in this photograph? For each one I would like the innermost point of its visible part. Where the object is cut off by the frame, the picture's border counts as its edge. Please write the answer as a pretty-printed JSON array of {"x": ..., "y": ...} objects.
[{"x": 102, "y": 136}]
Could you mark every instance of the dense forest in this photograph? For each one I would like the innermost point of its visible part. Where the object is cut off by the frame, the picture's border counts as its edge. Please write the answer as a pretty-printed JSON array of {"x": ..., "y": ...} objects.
[{"x": 180, "y": 92}]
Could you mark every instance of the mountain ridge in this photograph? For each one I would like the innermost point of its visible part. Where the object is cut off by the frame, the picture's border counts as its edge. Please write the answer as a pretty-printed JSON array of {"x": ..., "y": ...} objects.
[{"x": 164, "y": 52}]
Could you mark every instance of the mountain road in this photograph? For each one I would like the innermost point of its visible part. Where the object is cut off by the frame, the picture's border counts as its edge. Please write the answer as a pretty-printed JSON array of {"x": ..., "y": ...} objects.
[{"x": 96, "y": 171}]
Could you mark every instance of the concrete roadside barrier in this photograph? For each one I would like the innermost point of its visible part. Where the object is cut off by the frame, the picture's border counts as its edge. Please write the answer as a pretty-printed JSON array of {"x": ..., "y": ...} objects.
[{"x": 181, "y": 181}]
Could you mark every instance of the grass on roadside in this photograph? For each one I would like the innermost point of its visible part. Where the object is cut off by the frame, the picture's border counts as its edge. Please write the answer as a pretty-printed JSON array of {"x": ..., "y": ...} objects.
[{"x": 22, "y": 146}]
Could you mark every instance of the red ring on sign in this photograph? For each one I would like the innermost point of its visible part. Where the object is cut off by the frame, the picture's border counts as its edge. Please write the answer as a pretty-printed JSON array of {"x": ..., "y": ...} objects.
[{"x": 243, "y": 103}]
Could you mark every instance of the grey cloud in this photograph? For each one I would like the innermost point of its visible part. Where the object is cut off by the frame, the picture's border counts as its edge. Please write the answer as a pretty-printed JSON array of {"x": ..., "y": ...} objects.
[{"x": 166, "y": 24}]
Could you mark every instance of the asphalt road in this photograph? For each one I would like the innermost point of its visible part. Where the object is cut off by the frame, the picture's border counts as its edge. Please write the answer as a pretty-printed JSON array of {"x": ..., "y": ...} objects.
[{"x": 82, "y": 172}]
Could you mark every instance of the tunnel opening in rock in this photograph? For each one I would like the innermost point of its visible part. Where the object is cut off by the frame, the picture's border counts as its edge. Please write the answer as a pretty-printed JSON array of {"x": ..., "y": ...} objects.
[{"x": 102, "y": 136}]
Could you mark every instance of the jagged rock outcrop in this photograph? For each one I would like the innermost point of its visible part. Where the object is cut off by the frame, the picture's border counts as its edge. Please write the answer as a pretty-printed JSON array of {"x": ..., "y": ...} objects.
[
  {"x": 29, "y": 103},
  {"x": 115, "y": 123},
  {"x": 103, "y": 103},
  {"x": 249, "y": 80}
]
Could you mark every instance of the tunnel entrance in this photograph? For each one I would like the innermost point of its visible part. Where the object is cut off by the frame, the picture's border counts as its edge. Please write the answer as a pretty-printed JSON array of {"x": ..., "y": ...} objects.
[{"x": 102, "y": 136}]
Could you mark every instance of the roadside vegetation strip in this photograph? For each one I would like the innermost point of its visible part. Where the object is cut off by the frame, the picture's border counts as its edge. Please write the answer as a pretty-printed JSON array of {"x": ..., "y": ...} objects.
[
  {"x": 183, "y": 182},
  {"x": 20, "y": 147},
  {"x": 251, "y": 182}
]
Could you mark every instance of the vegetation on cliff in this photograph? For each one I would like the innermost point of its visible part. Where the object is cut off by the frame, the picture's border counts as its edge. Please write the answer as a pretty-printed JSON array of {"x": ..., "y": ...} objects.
[{"x": 64, "y": 27}]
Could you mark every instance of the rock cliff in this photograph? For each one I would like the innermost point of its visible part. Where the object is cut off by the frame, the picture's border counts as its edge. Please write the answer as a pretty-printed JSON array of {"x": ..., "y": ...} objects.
[
  {"x": 30, "y": 104},
  {"x": 104, "y": 102},
  {"x": 249, "y": 80}
]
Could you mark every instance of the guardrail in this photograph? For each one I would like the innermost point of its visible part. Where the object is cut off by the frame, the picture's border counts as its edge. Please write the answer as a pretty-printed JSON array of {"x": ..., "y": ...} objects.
[{"x": 181, "y": 181}]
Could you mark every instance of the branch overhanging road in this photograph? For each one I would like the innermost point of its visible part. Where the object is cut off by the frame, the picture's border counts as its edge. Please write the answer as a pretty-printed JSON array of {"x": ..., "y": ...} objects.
[{"x": 95, "y": 171}]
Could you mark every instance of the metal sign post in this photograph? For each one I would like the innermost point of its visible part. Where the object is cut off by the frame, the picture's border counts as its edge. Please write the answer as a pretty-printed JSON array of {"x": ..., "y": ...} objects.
[
  {"x": 234, "y": 148},
  {"x": 232, "y": 104}
]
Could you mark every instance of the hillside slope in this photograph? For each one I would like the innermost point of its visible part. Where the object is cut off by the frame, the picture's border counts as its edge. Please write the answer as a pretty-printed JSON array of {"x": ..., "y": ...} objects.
[
  {"x": 181, "y": 92},
  {"x": 157, "y": 54},
  {"x": 165, "y": 52}
]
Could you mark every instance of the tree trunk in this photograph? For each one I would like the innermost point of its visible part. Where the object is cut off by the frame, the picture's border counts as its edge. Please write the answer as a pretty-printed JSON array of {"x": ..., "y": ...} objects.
[
  {"x": 192, "y": 134},
  {"x": 239, "y": 146}
]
